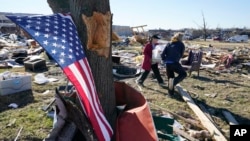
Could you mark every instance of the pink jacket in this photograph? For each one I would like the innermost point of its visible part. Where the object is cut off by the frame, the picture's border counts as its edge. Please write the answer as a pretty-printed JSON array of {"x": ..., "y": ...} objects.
[{"x": 146, "y": 64}]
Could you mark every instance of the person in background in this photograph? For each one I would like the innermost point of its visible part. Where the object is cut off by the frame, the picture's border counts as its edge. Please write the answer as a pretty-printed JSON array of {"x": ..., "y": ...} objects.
[
  {"x": 171, "y": 56},
  {"x": 147, "y": 63}
]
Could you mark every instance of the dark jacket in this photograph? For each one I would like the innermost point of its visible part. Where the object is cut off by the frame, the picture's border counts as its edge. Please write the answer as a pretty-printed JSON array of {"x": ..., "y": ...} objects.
[{"x": 173, "y": 52}]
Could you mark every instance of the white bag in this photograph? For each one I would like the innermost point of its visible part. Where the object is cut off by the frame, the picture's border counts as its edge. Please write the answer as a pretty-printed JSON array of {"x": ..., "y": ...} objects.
[{"x": 156, "y": 54}]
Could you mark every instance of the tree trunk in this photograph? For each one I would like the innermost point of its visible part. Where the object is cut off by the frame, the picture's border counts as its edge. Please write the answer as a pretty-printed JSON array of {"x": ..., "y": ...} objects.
[{"x": 101, "y": 67}]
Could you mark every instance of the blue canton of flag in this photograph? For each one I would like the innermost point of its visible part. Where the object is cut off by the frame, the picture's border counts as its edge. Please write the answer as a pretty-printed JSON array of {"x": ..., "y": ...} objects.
[{"x": 57, "y": 34}]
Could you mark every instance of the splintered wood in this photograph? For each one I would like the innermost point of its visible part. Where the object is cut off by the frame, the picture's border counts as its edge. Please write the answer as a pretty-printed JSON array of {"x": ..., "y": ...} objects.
[
  {"x": 218, "y": 136},
  {"x": 99, "y": 32}
]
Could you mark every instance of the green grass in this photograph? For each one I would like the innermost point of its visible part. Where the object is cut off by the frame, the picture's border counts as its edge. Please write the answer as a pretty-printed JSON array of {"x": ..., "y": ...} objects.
[
  {"x": 231, "y": 93},
  {"x": 227, "y": 86},
  {"x": 29, "y": 115}
]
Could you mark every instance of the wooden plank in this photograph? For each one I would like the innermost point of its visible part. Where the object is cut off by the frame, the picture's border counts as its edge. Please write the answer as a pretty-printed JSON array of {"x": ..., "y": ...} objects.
[
  {"x": 218, "y": 136},
  {"x": 230, "y": 118},
  {"x": 205, "y": 111}
]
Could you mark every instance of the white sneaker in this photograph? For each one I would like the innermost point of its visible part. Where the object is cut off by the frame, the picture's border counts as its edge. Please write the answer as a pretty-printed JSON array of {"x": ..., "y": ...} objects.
[{"x": 171, "y": 84}]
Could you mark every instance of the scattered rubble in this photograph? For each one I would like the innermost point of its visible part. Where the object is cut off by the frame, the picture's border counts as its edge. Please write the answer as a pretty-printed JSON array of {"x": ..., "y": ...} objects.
[{"x": 126, "y": 64}]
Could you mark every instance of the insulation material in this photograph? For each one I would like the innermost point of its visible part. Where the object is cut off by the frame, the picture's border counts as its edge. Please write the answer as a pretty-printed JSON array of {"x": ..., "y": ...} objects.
[{"x": 98, "y": 31}]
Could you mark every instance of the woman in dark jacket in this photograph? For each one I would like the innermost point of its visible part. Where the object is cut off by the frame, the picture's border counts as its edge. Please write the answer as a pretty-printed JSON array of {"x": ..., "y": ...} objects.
[
  {"x": 147, "y": 64},
  {"x": 171, "y": 56}
]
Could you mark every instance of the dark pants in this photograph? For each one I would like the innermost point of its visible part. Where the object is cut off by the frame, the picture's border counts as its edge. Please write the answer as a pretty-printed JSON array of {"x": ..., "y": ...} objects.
[
  {"x": 156, "y": 71},
  {"x": 176, "y": 67}
]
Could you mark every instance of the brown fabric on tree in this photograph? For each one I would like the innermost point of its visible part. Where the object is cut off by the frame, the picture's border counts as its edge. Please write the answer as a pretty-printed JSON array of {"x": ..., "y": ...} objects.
[{"x": 98, "y": 31}]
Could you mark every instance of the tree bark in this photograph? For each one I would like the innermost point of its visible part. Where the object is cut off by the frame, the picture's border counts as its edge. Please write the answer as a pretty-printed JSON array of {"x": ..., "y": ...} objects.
[{"x": 101, "y": 67}]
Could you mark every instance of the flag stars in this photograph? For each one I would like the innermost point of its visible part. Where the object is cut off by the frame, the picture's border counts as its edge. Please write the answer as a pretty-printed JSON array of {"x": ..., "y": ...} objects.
[
  {"x": 57, "y": 35},
  {"x": 73, "y": 62},
  {"x": 56, "y": 32},
  {"x": 38, "y": 27},
  {"x": 70, "y": 57},
  {"x": 28, "y": 26},
  {"x": 47, "y": 29},
  {"x": 37, "y": 34},
  {"x": 45, "y": 42},
  {"x": 53, "y": 51},
  {"x": 46, "y": 35},
  {"x": 54, "y": 44},
  {"x": 63, "y": 41},
  {"x": 55, "y": 38},
  {"x": 62, "y": 61},
  {"x": 63, "y": 54},
  {"x": 63, "y": 47}
]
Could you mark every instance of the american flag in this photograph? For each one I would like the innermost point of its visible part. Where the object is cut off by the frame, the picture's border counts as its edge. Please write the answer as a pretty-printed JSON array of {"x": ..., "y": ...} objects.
[{"x": 57, "y": 34}]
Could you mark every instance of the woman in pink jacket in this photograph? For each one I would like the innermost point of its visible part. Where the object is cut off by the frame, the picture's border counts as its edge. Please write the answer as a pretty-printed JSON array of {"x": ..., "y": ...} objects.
[{"x": 147, "y": 64}]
